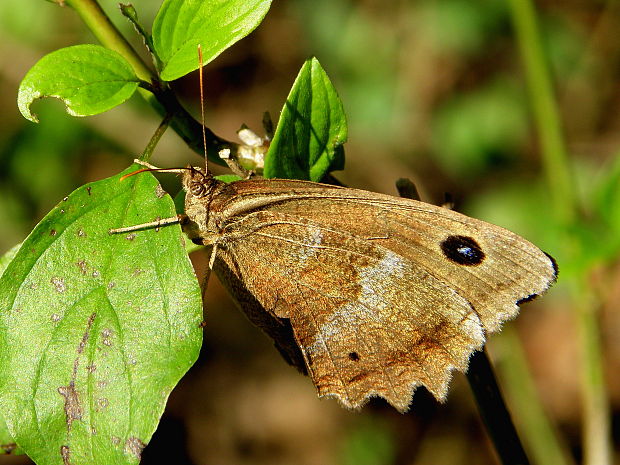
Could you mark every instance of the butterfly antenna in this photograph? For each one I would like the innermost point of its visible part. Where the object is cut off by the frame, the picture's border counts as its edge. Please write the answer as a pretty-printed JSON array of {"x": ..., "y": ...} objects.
[{"x": 202, "y": 107}]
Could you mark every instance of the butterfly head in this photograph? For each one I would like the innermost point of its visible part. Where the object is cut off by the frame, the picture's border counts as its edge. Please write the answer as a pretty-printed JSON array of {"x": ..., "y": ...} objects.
[
  {"x": 200, "y": 190},
  {"x": 197, "y": 183}
]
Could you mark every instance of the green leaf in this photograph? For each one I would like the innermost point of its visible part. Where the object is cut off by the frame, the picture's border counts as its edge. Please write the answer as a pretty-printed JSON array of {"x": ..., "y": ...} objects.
[
  {"x": 181, "y": 25},
  {"x": 89, "y": 79},
  {"x": 7, "y": 443},
  {"x": 8, "y": 257},
  {"x": 312, "y": 128},
  {"x": 96, "y": 329},
  {"x": 228, "y": 178}
]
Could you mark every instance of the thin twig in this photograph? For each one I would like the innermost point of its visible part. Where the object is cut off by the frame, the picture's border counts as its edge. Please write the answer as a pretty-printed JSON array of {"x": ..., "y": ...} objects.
[
  {"x": 161, "y": 97},
  {"x": 493, "y": 411}
]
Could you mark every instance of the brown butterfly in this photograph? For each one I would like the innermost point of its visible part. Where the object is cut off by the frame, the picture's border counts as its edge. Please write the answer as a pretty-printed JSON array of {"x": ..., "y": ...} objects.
[{"x": 369, "y": 294}]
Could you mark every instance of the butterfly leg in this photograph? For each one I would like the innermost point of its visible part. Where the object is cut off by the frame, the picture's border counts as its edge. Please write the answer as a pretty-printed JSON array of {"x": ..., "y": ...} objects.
[
  {"x": 152, "y": 225},
  {"x": 205, "y": 280}
]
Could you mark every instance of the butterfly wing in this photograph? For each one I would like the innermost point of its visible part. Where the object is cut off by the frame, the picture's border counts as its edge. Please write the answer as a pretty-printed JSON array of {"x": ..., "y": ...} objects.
[{"x": 382, "y": 294}]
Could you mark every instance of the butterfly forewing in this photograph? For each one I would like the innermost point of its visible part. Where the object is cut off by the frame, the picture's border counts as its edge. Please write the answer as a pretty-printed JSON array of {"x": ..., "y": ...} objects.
[{"x": 373, "y": 294}]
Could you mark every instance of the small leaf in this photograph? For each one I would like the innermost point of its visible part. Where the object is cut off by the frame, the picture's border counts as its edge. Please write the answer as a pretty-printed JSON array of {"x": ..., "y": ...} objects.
[
  {"x": 311, "y": 130},
  {"x": 89, "y": 79},
  {"x": 96, "y": 329},
  {"x": 181, "y": 25}
]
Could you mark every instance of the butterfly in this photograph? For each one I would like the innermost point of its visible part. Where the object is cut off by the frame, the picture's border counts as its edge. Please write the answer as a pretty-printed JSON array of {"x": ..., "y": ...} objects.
[{"x": 368, "y": 294}]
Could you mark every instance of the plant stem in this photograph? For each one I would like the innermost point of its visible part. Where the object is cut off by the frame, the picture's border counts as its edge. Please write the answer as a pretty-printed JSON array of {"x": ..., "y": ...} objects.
[
  {"x": 148, "y": 151},
  {"x": 100, "y": 25},
  {"x": 546, "y": 114},
  {"x": 493, "y": 410},
  {"x": 596, "y": 428},
  {"x": 160, "y": 97},
  {"x": 538, "y": 433}
]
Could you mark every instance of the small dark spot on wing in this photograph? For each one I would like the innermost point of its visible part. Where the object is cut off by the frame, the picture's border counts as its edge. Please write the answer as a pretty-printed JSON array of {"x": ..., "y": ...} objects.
[{"x": 354, "y": 356}]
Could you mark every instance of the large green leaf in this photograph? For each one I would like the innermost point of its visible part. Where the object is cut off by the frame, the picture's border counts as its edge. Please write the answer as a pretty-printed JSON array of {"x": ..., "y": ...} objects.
[
  {"x": 181, "y": 25},
  {"x": 96, "y": 329},
  {"x": 8, "y": 256},
  {"x": 7, "y": 443},
  {"x": 312, "y": 128},
  {"x": 89, "y": 79}
]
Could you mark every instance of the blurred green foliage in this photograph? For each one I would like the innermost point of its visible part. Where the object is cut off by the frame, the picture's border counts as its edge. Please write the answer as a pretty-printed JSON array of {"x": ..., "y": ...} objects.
[
  {"x": 432, "y": 89},
  {"x": 370, "y": 442}
]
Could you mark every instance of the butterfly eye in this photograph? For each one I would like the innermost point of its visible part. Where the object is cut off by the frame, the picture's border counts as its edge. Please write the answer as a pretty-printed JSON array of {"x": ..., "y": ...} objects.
[
  {"x": 198, "y": 189},
  {"x": 462, "y": 250}
]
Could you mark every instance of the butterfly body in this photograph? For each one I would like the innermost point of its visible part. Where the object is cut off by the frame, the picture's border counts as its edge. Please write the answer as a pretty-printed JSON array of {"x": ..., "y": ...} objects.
[{"x": 371, "y": 295}]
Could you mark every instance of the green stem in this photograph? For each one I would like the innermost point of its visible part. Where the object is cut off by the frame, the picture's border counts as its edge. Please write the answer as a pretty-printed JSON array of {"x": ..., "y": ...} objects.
[
  {"x": 150, "y": 148},
  {"x": 546, "y": 114},
  {"x": 595, "y": 404},
  {"x": 100, "y": 25},
  {"x": 596, "y": 428},
  {"x": 161, "y": 98},
  {"x": 537, "y": 431}
]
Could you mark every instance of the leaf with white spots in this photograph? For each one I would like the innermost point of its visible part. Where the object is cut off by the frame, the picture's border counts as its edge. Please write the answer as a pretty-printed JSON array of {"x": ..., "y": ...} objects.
[{"x": 96, "y": 329}]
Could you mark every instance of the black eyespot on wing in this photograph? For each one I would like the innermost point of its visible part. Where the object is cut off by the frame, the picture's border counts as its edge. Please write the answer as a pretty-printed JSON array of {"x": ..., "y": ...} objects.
[
  {"x": 462, "y": 250},
  {"x": 354, "y": 356}
]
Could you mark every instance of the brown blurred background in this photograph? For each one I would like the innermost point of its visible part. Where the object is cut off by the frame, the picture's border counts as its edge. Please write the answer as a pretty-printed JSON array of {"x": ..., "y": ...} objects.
[{"x": 433, "y": 91}]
